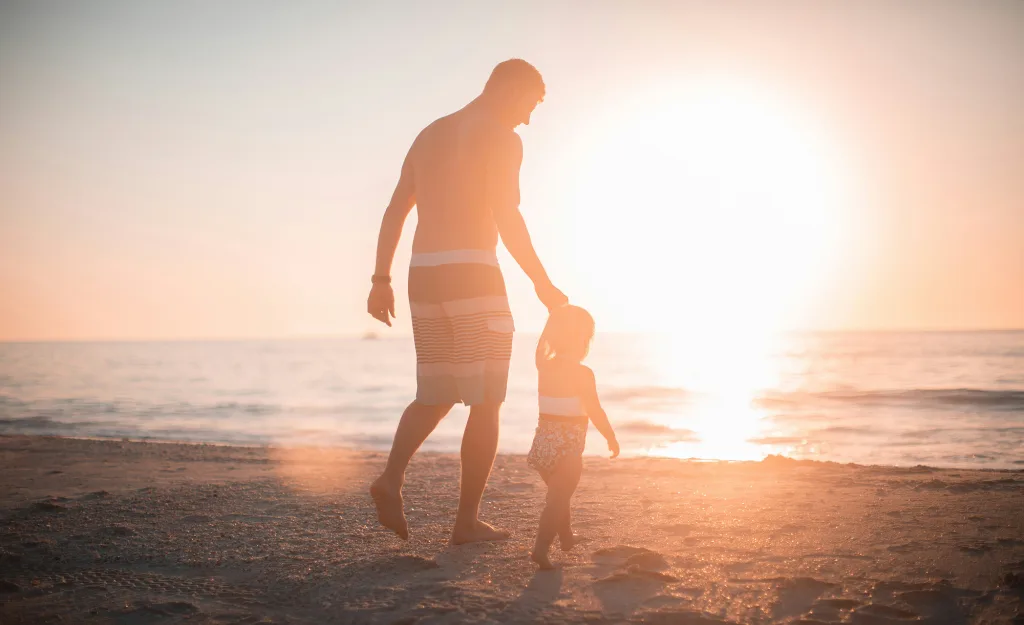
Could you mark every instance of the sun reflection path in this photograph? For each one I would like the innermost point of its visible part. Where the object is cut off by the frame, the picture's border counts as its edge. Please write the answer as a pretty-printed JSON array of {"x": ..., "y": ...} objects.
[
  {"x": 724, "y": 428},
  {"x": 726, "y": 374}
]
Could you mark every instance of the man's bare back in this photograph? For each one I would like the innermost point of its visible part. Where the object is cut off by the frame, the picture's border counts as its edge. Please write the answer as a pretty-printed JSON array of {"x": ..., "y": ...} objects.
[{"x": 462, "y": 165}]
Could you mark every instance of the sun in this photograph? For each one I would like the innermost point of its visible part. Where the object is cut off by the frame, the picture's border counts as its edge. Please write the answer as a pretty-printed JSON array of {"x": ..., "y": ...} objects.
[
  {"x": 710, "y": 211},
  {"x": 717, "y": 201}
]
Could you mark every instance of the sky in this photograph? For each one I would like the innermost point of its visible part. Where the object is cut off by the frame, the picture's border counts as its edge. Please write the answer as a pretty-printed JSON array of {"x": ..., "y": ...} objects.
[{"x": 194, "y": 170}]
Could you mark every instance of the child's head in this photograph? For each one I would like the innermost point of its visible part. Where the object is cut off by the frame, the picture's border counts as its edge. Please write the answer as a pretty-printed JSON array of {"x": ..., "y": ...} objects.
[{"x": 567, "y": 334}]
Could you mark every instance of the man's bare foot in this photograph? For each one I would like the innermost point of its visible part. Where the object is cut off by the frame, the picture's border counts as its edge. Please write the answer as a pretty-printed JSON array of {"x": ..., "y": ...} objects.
[
  {"x": 568, "y": 545},
  {"x": 481, "y": 532},
  {"x": 390, "y": 508},
  {"x": 541, "y": 558}
]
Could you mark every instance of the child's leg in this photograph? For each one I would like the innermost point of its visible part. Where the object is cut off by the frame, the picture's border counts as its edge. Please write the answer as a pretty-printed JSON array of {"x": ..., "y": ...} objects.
[
  {"x": 561, "y": 484},
  {"x": 574, "y": 468}
]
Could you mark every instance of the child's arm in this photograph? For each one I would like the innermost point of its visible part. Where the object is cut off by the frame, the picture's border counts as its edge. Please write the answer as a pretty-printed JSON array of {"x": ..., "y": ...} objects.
[{"x": 594, "y": 410}]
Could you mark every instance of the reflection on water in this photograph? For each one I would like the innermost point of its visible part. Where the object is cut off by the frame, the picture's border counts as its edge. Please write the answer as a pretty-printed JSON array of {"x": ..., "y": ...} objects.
[
  {"x": 725, "y": 374},
  {"x": 723, "y": 427}
]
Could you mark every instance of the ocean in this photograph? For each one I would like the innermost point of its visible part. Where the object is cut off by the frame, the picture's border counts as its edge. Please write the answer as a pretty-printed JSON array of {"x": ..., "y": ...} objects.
[{"x": 951, "y": 399}]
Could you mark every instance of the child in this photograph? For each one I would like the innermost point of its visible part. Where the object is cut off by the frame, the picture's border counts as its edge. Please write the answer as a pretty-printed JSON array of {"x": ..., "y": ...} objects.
[{"x": 568, "y": 396}]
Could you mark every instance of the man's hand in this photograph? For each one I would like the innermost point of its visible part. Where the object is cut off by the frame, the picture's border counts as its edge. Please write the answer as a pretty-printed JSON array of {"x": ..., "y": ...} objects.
[
  {"x": 381, "y": 303},
  {"x": 550, "y": 296}
]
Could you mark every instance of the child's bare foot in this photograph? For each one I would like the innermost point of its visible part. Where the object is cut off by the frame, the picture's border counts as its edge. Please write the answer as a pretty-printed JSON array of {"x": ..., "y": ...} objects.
[
  {"x": 570, "y": 544},
  {"x": 541, "y": 558}
]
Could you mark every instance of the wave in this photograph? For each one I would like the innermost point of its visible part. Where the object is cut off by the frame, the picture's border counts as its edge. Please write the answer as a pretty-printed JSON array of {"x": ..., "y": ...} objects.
[
  {"x": 646, "y": 428},
  {"x": 1009, "y": 400},
  {"x": 640, "y": 398},
  {"x": 40, "y": 423},
  {"x": 644, "y": 392},
  {"x": 283, "y": 433},
  {"x": 57, "y": 408},
  {"x": 1012, "y": 400}
]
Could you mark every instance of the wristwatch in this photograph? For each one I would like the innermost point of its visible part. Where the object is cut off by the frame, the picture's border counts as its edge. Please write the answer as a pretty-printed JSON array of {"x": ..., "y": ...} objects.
[{"x": 381, "y": 279}]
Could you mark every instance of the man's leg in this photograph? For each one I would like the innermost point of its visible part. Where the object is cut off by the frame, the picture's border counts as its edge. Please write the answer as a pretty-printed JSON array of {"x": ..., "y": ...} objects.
[
  {"x": 479, "y": 446},
  {"x": 418, "y": 421}
]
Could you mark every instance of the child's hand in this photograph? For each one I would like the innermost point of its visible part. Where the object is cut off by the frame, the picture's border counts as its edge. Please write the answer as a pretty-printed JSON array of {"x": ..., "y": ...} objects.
[{"x": 613, "y": 446}]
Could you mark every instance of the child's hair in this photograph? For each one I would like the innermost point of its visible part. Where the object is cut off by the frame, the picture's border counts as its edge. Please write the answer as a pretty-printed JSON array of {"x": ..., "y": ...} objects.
[{"x": 567, "y": 333}]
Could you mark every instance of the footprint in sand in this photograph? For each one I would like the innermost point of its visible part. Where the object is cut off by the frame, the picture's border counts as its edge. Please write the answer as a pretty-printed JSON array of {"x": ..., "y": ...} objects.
[
  {"x": 797, "y": 595},
  {"x": 618, "y": 552},
  {"x": 837, "y": 604},
  {"x": 639, "y": 564},
  {"x": 682, "y": 617},
  {"x": 624, "y": 591},
  {"x": 197, "y": 518},
  {"x": 118, "y": 529},
  {"x": 649, "y": 560},
  {"x": 906, "y": 547},
  {"x": 404, "y": 564},
  {"x": 665, "y": 602},
  {"x": 169, "y": 609},
  {"x": 48, "y": 506},
  {"x": 886, "y": 590},
  {"x": 874, "y": 613},
  {"x": 413, "y": 563},
  {"x": 976, "y": 548},
  {"x": 931, "y": 602},
  {"x": 635, "y": 572}
]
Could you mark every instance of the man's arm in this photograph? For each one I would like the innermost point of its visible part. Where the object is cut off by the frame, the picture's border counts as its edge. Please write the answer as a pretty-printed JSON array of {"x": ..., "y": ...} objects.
[
  {"x": 381, "y": 302},
  {"x": 402, "y": 201},
  {"x": 503, "y": 197}
]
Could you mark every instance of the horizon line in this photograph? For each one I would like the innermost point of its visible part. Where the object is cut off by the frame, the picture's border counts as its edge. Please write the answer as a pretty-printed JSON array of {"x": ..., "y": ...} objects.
[{"x": 379, "y": 335}]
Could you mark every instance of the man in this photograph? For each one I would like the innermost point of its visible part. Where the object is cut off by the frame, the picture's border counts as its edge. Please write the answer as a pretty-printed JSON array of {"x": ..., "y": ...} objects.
[{"x": 462, "y": 171}]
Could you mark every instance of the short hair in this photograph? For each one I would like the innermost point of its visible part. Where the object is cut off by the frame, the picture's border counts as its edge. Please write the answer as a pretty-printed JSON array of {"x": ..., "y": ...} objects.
[{"x": 515, "y": 73}]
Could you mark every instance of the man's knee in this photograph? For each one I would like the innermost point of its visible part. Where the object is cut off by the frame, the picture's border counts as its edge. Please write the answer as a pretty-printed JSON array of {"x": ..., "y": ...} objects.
[
  {"x": 432, "y": 411},
  {"x": 485, "y": 412}
]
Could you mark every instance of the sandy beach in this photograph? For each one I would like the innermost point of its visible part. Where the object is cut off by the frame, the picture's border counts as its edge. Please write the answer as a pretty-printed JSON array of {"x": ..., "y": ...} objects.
[{"x": 126, "y": 532}]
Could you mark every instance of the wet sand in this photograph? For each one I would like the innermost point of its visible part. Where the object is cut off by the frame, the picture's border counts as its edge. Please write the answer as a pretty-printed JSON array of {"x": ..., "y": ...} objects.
[{"x": 125, "y": 532}]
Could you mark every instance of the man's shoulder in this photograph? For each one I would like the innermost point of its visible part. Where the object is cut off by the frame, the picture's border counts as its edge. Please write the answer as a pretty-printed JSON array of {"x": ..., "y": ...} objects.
[
  {"x": 506, "y": 143},
  {"x": 485, "y": 127},
  {"x": 504, "y": 135},
  {"x": 513, "y": 139},
  {"x": 433, "y": 128},
  {"x": 426, "y": 142},
  {"x": 470, "y": 129}
]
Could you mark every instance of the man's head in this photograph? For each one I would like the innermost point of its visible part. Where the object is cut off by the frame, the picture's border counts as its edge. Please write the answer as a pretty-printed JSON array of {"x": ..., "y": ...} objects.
[{"x": 515, "y": 88}]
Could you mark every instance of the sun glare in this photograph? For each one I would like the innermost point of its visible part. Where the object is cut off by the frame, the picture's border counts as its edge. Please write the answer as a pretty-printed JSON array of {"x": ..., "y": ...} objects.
[{"x": 711, "y": 210}]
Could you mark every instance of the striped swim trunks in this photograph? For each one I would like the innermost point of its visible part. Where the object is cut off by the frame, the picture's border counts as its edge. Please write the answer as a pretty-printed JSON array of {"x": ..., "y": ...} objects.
[{"x": 462, "y": 326}]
